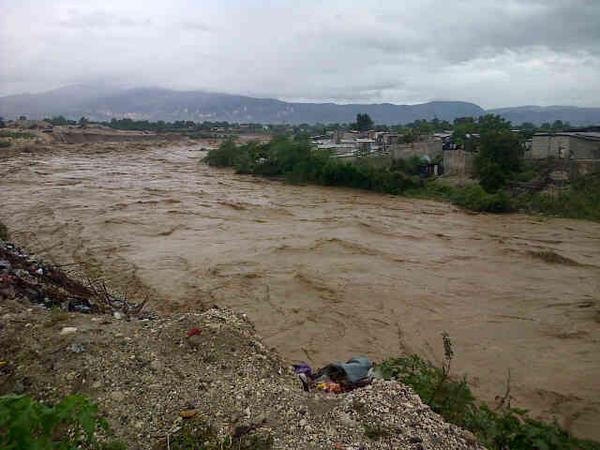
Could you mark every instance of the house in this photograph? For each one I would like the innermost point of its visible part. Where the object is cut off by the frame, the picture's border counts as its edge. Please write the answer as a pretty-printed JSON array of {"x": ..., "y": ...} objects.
[
  {"x": 347, "y": 144},
  {"x": 568, "y": 145},
  {"x": 385, "y": 139},
  {"x": 365, "y": 146},
  {"x": 576, "y": 153}
]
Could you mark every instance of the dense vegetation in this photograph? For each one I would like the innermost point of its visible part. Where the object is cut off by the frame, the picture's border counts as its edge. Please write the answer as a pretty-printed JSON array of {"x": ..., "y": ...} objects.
[
  {"x": 179, "y": 125},
  {"x": 580, "y": 200},
  {"x": 16, "y": 134},
  {"x": 502, "y": 428},
  {"x": 297, "y": 161},
  {"x": 73, "y": 423}
]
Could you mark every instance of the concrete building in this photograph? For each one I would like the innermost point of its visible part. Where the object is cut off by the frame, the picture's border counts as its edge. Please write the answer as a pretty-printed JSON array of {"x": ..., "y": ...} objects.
[
  {"x": 576, "y": 153},
  {"x": 458, "y": 163},
  {"x": 432, "y": 148},
  {"x": 568, "y": 145}
]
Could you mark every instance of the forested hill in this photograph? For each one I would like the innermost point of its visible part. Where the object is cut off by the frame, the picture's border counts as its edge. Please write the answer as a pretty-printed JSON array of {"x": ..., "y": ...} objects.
[{"x": 102, "y": 103}]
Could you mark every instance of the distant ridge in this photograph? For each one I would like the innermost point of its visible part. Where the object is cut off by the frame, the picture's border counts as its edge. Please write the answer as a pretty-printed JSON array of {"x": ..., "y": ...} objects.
[
  {"x": 541, "y": 114},
  {"x": 104, "y": 103}
]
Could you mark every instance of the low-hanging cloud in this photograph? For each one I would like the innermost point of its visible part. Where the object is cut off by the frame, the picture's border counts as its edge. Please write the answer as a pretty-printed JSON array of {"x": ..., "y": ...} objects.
[{"x": 493, "y": 53}]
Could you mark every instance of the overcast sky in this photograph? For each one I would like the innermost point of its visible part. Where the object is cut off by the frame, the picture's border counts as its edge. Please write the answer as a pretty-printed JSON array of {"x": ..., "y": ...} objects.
[{"x": 494, "y": 53}]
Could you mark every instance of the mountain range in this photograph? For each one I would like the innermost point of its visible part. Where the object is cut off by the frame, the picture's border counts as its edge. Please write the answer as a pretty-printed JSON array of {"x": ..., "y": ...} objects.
[{"x": 104, "y": 103}]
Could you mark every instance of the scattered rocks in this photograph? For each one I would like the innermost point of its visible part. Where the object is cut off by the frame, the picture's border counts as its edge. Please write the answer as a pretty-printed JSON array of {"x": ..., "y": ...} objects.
[
  {"x": 117, "y": 396},
  {"x": 68, "y": 330},
  {"x": 76, "y": 348},
  {"x": 188, "y": 413}
]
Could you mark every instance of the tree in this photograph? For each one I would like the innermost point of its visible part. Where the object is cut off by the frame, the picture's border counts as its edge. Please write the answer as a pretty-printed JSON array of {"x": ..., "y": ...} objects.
[
  {"x": 493, "y": 123},
  {"x": 559, "y": 125},
  {"x": 500, "y": 153},
  {"x": 463, "y": 126},
  {"x": 58, "y": 120},
  {"x": 528, "y": 129},
  {"x": 82, "y": 122},
  {"x": 363, "y": 122}
]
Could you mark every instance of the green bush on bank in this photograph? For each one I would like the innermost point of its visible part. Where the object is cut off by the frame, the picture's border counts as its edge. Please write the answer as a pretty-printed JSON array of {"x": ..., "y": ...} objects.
[
  {"x": 16, "y": 134},
  {"x": 501, "y": 429},
  {"x": 472, "y": 197},
  {"x": 297, "y": 161},
  {"x": 73, "y": 423},
  {"x": 580, "y": 200}
]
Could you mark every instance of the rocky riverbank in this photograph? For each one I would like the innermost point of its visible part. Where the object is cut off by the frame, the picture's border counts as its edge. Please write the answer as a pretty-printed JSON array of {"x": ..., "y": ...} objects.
[{"x": 158, "y": 384}]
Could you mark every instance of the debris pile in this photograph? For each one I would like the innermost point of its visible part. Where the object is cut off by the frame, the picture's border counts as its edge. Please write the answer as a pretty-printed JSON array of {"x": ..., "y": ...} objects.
[
  {"x": 337, "y": 377},
  {"x": 25, "y": 277}
]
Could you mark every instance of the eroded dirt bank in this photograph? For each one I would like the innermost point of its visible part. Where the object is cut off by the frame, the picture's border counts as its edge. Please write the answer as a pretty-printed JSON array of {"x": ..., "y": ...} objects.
[{"x": 328, "y": 273}]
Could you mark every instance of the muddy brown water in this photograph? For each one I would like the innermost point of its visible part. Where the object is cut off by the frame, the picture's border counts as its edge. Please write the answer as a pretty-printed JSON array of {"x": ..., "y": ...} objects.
[{"x": 328, "y": 273}]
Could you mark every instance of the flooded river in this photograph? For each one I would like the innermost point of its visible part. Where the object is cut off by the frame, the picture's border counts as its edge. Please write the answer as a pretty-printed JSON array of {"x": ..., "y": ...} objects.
[{"x": 328, "y": 273}]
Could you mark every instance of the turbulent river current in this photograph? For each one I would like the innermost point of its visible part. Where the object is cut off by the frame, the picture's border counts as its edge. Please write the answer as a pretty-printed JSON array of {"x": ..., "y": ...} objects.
[{"x": 328, "y": 273}]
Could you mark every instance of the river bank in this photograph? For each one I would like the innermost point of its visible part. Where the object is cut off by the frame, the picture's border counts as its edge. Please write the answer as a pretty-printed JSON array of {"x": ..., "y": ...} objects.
[
  {"x": 160, "y": 386},
  {"x": 327, "y": 273}
]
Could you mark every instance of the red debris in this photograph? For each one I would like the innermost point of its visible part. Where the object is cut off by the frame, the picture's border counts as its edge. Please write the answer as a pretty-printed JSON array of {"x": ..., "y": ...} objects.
[{"x": 193, "y": 332}]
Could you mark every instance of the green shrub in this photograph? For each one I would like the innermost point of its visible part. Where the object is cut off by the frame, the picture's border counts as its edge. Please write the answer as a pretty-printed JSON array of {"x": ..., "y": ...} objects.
[
  {"x": 580, "y": 200},
  {"x": 197, "y": 434},
  {"x": 297, "y": 161},
  {"x": 501, "y": 429},
  {"x": 16, "y": 134},
  {"x": 4, "y": 143},
  {"x": 472, "y": 197},
  {"x": 475, "y": 198},
  {"x": 492, "y": 176},
  {"x": 411, "y": 165},
  {"x": 73, "y": 423},
  {"x": 224, "y": 156}
]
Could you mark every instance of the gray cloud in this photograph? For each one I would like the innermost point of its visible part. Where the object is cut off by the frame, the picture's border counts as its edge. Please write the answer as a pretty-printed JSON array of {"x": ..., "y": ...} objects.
[{"x": 493, "y": 53}]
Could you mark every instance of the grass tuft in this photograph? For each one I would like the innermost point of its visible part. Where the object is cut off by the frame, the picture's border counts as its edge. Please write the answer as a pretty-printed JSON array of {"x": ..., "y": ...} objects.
[{"x": 71, "y": 423}]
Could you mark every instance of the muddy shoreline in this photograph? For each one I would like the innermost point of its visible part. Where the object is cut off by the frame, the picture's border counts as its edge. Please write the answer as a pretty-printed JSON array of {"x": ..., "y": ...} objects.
[{"x": 328, "y": 273}]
